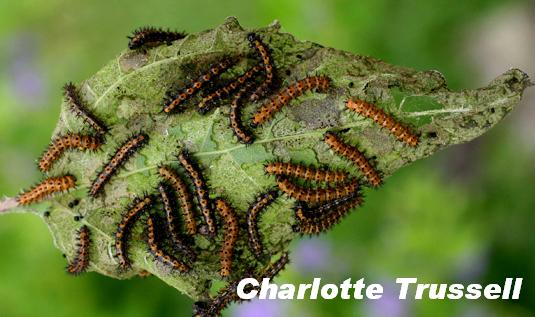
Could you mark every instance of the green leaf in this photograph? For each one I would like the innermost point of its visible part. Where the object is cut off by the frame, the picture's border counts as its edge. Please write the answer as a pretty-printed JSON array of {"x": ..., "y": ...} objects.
[{"x": 127, "y": 94}]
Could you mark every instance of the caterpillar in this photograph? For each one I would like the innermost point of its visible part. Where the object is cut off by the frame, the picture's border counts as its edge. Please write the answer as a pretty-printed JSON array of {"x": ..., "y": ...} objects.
[
  {"x": 231, "y": 235},
  {"x": 184, "y": 197},
  {"x": 228, "y": 294},
  {"x": 169, "y": 209},
  {"x": 383, "y": 119},
  {"x": 271, "y": 107},
  {"x": 208, "y": 102},
  {"x": 66, "y": 142},
  {"x": 354, "y": 155},
  {"x": 159, "y": 254},
  {"x": 325, "y": 218},
  {"x": 77, "y": 107},
  {"x": 150, "y": 36},
  {"x": 239, "y": 130},
  {"x": 46, "y": 188},
  {"x": 317, "y": 195},
  {"x": 123, "y": 228},
  {"x": 274, "y": 268},
  {"x": 81, "y": 260},
  {"x": 267, "y": 62},
  {"x": 176, "y": 99},
  {"x": 201, "y": 189},
  {"x": 117, "y": 160},
  {"x": 305, "y": 172},
  {"x": 255, "y": 241}
]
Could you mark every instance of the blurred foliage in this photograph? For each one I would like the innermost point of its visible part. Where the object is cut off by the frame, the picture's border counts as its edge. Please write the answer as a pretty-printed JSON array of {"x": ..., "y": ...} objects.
[{"x": 463, "y": 216}]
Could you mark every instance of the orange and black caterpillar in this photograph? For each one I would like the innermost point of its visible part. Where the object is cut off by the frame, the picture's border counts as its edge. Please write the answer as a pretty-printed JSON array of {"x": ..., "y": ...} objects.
[
  {"x": 239, "y": 130},
  {"x": 305, "y": 172},
  {"x": 151, "y": 36},
  {"x": 325, "y": 216},
  {"x": 354, "y": 155},
  {"x": 271, "y": 107},
  {"x": 267, "y": 62},
  {"x": 184, "y": 197},
  {"x": 116, "y": 161},
  {"x": 67, "y": 142},
  {"x": 123, "y": 228},
  {"x": 81, "y": 261},
  {"x": 255, "y": 240},
  {"x": 383, "y": 119},
  {"x": 209, "y": 101},
  {"x": 159, "y": 254},
  {"x": 229, "y": 295},
  {"x": 174, "y": 100},
  {"x": 77, "y": 107},
  {"x": 203, "y": 197},
  {"x": 170, "y": 210},
  {"x": 311, "y": 195},
  {"x": 231, "y": 235},
  {"x": 46, "y": 188}
]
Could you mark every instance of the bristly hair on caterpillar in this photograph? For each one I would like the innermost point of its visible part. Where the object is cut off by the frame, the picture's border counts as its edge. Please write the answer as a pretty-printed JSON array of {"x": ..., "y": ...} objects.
[
  {"x": 352, "y": 154},
  {"x": 287, "y": 94},
  {"x": 122, "y": 154},
  {"x": 46, "y": 188},
  {"x": 231, "y": 235},
  {"x": 203, "y": 197},
  {"x": 210, "y": 100},
  {"x": 184, "y": 197},
  {"x": 266, "y": 60},
  {"x": 150, "y": 36},
  {"x": 253, "y": 213},
  {"x": 79, "y": 109},
  {"x": 133, "y": 212},
  {"x": 80, "y": 261},
  {"x": 159, "y": 254},
  {"x": 174, "y": 100},
  {"x": 67, "y": 142},
  {"x": 383, "y": 119}
]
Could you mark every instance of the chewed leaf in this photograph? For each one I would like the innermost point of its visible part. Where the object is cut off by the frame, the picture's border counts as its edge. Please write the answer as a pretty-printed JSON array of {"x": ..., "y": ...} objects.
[{"x": 127, "y": 95}]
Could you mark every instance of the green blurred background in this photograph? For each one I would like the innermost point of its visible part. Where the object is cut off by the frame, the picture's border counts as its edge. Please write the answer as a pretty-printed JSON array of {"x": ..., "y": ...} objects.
[{"x": 463, "y": 215}]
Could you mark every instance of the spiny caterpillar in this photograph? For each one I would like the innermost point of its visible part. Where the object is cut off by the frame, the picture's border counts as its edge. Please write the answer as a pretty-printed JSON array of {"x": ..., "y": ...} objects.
[
  {"x": 267, "y": 62},
  {"x": 325, "y": 218},
  {"x": 67, "y": 142},
  {"x": 176, "y": 99},
  {"x": 239, "y": 130},
  {"x": 305, "y": 172},
  {"x": 201, "y": 189},
  {"x": 117, "y": 160},
  {"x": 123, "y": 228},
  {"x": 228, "y": 294},
  {"x": 169, "y": 208},
  {"x": 77, "y": 107},
  {"x": 318, "y": 195},
  {"x": 383, "y": 119},
  {"x": 81, "y": 260},
  {"x": 46, "y": 188},
  {"x": 159, "y": 254},
  {"x": 354, "y": 155},
  {"x": 209, "y": 101},
  {"x": 255, "y": 240},
  {"x": 275, "y": 104},
  {"x": 184, "y": 197},
  {"x": 231, "y": 235},
  {"x": 150, "y": 36}
]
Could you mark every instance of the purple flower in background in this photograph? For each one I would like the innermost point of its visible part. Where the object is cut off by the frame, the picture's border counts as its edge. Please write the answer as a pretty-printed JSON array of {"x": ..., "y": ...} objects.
[
  {"x": 25, "y": 79},
  {"x": 312, "y": 255},
  {"x": 261, "y": 308},
  {"x": 388, "y": 305}
]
